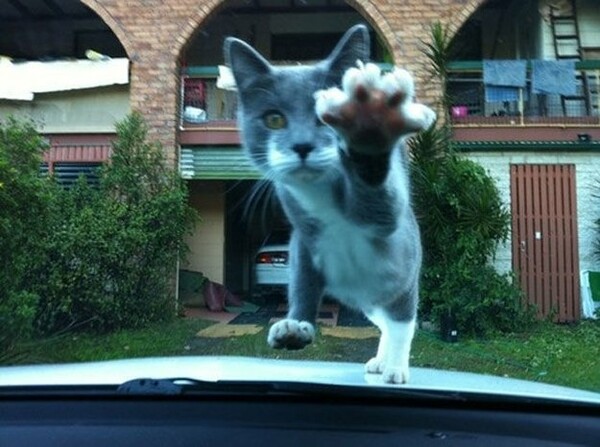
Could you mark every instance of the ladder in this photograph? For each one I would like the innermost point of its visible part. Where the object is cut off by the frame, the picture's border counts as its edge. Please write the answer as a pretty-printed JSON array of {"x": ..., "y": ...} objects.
[{"x": 567, "y": 45}]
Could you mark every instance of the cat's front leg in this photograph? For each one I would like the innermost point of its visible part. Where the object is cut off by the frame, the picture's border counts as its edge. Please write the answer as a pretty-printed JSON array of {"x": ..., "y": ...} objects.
[
  {"x": 304, "y": 298},
  {"x": 393, "y": 353},
  {"x": 373, "y": 111}
]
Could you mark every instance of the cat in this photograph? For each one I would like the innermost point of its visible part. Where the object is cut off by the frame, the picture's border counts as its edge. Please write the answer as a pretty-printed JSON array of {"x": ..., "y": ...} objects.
[{"x": 331, "y": 138}]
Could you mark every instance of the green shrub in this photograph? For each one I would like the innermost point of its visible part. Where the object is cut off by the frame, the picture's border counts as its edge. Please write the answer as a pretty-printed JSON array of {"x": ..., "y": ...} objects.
[
  {"x": 23, "y": 216},
  {"x": 481, "y": 300},
  {"x": 111, "y": 252},
  {"x": 462, "y": 221}
]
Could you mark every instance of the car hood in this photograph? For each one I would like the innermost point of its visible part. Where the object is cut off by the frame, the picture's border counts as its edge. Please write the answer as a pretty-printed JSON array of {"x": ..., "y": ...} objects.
[{"x": 221, "y": 368}]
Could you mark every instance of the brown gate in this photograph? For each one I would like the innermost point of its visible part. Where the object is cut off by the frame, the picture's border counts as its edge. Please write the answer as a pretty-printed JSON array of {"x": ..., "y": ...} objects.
[{"x": 544, "y": 238}]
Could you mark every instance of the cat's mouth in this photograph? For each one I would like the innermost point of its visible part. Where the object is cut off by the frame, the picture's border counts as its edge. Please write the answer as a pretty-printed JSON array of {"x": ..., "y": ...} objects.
[{"x": 306, "y": 173}]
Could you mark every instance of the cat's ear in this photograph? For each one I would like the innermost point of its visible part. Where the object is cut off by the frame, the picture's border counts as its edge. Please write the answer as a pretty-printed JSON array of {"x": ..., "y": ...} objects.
[
  {"x": 354, "y": 45},
  {"x": 245, "y": 62}
]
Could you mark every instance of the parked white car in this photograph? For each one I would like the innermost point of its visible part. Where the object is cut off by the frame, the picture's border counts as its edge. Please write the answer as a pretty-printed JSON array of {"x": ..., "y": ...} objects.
[{"x": 271, "y": 265}]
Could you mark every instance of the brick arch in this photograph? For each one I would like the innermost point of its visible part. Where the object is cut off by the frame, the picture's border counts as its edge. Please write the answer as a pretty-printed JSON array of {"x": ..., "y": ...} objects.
[
  {"x": 365, "y": 8},
  {"x": 369, "y": 11},
  {"x": 196, "y": 18},
  {"x": 114, "y": 26},
  {"x": 463, "y": 13}
]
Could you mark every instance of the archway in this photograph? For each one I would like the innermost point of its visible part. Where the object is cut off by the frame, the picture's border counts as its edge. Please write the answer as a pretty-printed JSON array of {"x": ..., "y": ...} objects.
[{"x": 285, "y": 32}]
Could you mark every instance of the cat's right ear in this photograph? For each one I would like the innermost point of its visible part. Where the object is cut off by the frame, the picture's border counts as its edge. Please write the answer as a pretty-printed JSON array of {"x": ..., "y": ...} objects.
[{"x": 245, "y": 62}]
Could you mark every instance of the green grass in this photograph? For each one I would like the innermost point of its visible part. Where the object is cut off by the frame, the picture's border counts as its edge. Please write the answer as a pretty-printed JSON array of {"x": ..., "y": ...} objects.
[{"x": 564, "y": 355}]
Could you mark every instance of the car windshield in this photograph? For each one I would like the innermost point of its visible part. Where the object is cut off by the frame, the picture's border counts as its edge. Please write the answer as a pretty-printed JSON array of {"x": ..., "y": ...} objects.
[{"x": 397, "y": 188}]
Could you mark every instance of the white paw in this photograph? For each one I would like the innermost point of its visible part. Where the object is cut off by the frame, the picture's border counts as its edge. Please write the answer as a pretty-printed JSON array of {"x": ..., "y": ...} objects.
[
  {"x": 398, "y": 80},
  {"x": 375, "y": 366},
  {"x": 291, "y": 334},
  {"x": 389, "y": 374},
  {"x": 330, "y": 100},
  {"x": 397, "y": 375},
  {"x": 366, "y": 92},
  {"x": 422, "y": 116},
  {"x": 366, "y": 75}
]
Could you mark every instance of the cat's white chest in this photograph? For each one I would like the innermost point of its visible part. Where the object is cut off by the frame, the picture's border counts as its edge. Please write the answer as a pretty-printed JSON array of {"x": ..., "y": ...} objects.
[{"x": 344, "y": 252}]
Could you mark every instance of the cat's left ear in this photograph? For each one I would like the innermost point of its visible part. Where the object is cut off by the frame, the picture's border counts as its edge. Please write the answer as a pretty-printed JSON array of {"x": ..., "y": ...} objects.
[
  {"x": 354, "y": 45},
  {"x": 245, "y": 62}
]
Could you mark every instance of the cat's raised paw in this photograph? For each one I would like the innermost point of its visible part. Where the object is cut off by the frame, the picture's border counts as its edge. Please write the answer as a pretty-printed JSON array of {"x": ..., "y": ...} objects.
[
  {"x": 373, "y": 110},
  {"x": 291, "y": 334}
]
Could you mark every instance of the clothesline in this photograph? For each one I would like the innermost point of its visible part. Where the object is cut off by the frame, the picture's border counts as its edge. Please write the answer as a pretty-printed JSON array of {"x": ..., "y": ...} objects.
[{"x": 504, "y": 78}]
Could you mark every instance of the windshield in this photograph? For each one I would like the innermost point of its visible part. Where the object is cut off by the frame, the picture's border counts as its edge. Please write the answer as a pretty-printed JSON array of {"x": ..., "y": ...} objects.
[{"x": 311, "y": 181}]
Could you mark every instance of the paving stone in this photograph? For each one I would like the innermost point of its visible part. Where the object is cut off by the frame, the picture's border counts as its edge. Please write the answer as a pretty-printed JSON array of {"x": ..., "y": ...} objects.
[
  {"x": 222, "y": 330},
  {"x": 357, "y": 333}
]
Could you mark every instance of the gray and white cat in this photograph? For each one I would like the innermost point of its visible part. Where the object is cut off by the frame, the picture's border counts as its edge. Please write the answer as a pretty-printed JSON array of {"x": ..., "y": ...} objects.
[{"x": 331, "y": 139}]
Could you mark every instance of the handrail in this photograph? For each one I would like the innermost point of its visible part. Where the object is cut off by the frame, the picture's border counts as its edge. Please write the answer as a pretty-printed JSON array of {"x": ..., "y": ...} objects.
[
  {"x": 476, "y": 66},
  {"x": 212, "y": 71}
]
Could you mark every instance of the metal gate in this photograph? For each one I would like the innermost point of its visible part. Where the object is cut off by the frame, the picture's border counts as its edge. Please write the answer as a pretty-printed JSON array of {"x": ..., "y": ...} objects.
[{"x": 545, "y": 252}]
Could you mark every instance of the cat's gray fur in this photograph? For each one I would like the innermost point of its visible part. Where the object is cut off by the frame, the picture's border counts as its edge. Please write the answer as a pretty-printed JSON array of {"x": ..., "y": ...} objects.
[{"x": 346, "y": 194}]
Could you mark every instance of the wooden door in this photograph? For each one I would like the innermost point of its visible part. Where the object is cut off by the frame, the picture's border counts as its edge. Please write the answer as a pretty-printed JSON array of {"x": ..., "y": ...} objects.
[{"x": 545, "y": 252}]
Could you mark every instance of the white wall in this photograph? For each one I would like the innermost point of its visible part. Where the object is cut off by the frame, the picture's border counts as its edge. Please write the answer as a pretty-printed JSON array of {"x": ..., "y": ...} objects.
[
  {"x": 207, "y": 243},
  {"x": 587, "y": 178},
  {"x": 75, "y": 111}
]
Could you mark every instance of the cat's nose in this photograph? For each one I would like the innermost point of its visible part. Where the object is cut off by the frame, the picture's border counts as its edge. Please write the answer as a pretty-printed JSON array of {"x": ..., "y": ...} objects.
[{"x": 303, "y": 149}]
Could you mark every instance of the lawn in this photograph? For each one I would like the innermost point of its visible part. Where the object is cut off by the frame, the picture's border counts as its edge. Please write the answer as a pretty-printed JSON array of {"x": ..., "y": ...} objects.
[{"x": 559, "y": 354}]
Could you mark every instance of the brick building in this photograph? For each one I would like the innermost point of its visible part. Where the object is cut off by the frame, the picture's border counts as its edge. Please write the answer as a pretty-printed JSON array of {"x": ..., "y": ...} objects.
[{"x": 174, "y": 50}]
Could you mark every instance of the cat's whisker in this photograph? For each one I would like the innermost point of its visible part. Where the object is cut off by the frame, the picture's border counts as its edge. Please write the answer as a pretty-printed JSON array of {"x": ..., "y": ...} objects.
[{"x": 257, "y": 201}]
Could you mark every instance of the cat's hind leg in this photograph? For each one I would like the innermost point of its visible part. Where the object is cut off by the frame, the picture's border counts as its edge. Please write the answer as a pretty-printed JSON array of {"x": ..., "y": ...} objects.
[{"x": 393, "y": 353}]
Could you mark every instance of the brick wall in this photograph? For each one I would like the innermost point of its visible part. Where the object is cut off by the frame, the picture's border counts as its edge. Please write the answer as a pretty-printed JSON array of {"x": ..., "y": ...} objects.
[{"x": 156, "y": 32}]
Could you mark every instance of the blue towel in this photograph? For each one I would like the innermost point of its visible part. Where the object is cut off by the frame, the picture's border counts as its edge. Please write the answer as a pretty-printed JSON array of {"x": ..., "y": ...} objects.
[
  {"x": 495, "y": 93},
  {"x": 556, "y": 77},
  {"x": 503, "y": 78},
  {"x": 505, "y": 73}
]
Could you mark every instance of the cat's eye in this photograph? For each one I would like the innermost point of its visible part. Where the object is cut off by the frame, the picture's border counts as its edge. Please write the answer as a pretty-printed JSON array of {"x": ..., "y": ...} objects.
[{"x": 274, "y": 120}]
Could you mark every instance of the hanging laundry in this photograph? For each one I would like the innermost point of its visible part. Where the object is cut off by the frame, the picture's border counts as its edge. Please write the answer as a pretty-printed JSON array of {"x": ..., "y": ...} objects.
[
  {"x": 554, "y": 77},
  {"x": 502, "y": 79}
]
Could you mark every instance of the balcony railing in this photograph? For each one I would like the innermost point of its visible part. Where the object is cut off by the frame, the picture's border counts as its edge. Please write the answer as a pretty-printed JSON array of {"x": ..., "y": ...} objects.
[
  {"x": 203, "y": 103},
  {"x": 468, "y": 105},
  {"x": 206, "y": 105}
]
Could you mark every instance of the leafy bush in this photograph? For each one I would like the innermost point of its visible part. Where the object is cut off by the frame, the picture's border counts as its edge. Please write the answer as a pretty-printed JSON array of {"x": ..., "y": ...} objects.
[
  {"x": 458, "y": 205},
  {"x": 23, "y": 212},
  {"x": 462, "y": 221},
  {"x": 597, "y": 225},
  {"x": 112, "y": 251}
]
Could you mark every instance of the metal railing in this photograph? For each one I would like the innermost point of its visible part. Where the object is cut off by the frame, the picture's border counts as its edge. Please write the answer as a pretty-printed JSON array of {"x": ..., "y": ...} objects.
[
  {"x": 206, "y": 105},
  {"x": 468, "y": 105},
  {"x": 202, "y": 102}
]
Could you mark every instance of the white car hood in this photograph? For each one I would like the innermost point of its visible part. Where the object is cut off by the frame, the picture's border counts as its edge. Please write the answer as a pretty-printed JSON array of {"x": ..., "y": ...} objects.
[{"x": 224, "y": 368}]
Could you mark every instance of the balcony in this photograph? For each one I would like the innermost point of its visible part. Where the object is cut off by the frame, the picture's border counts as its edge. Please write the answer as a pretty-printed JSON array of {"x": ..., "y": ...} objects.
[
  {"x": 208, "y": 113},
  {"x": 469, "y": 108}
]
